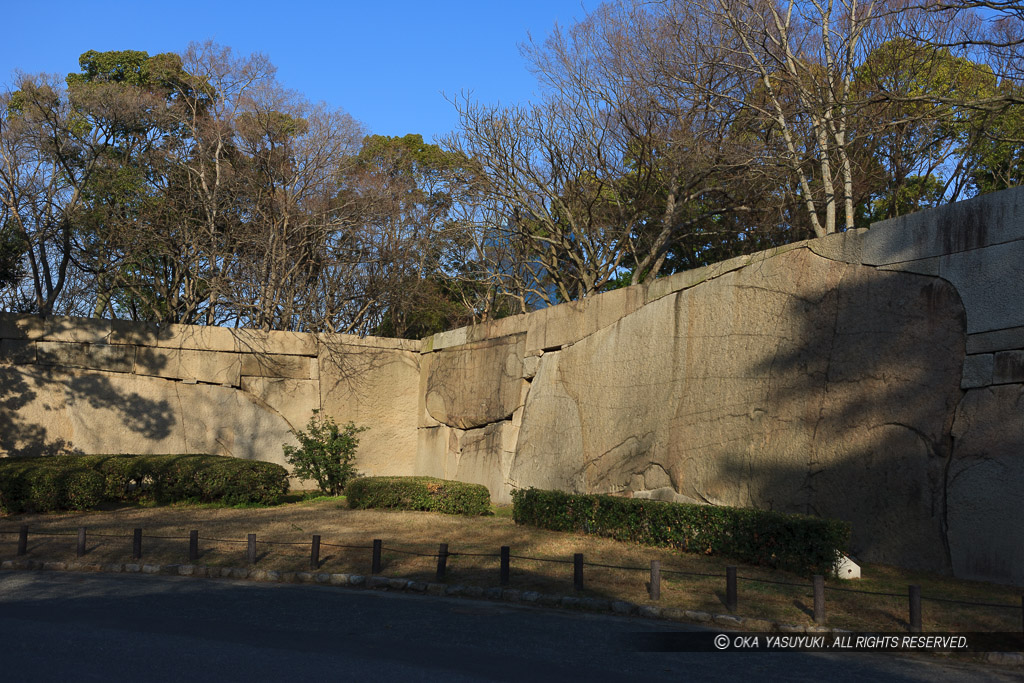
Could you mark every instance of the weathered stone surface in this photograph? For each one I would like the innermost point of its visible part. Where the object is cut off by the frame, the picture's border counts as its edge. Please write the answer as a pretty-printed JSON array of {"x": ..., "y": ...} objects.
[
  {"x": 340, "y": 342},
  {"x": 551, "y": 328},
  {"x": 999, "y": 340},
  {"x": 424, "y": 419},
  {"x": 17, "y": 352},
  {"x": 432, "y": 450},
  {"x": 483, "y": 456},
  {"x": 530, "y": 365},
  {"x": 275, "y": 342},
  {"x": 293, "y": 399},
  {"x": 988, "y": 280},
  {"x": 54, "y": 409},
  {"x": 86, "y": 330},
  {"x": 691, "y": 278},
  {"x": 475, "y": 384},
  {"x": 980, "y": 222},
  {"x": 194, "y": 337},
  {"x": 804, "y": 385},
  {"x": 28, "y": 327},
  {"x": 977, "y": 371},
  {"x": 223, "y": 421},
  {"x": 1008, "y": 367},
  {"x": 90, "y": 356},
  {"x": 212, "y": 367},
  {"x": 840, "y": 246},
  {"x": 374, "y": 387},
  {"x": 503, "y": 327},
  {"x": 985, "y": 498},
  {"x": 276, "y": 365},
  {"x": 444, "y": 340}
]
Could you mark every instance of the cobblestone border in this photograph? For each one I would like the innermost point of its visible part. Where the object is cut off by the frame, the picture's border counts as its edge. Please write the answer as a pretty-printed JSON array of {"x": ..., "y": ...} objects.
[{"x": 619, "y": 607}]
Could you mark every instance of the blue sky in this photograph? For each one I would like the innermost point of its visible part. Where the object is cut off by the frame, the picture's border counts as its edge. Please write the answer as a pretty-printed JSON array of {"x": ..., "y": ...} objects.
[{"x": 386, "y": 63}]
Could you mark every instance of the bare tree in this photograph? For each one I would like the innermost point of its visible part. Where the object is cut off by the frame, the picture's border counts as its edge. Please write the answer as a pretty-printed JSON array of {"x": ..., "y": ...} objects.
[{"x": 613, "y": 166}]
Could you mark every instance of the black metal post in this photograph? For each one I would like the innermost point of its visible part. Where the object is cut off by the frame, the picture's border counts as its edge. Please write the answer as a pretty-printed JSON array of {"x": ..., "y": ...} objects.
[
  {"x": 442, "y": 561},
  {"x": 915, "y": 608},
  {"x": 819, "y": 599},
  {"x": 577, "y": 571},
  {"x": 504, "y": 565},
  {"x": 314, "y": 556},
  {"x": 23, "y": 539},
  {"x": 375, "y": 565},
  {"x": 193, "y": 545},
  {"x": 655, "y": 588},
  {"x": 730, "y": 589},
  {"x": 81, "y": 542},
  {"x": 137, "y": 544},
  {"x": 252, "y": 549}
]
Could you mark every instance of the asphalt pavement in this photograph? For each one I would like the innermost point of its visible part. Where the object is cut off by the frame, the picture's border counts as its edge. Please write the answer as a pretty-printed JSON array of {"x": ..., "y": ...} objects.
[{"x": 60, "y": 626}]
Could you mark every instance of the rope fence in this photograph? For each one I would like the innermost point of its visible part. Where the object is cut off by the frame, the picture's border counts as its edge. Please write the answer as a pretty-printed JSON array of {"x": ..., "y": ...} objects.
[{"x": 504, "y": 556}]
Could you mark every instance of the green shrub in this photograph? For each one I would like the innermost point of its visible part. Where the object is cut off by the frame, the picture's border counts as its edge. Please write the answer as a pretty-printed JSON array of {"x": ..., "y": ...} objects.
[
  {"x": 47, "y": 484},
  {"x": 78, "y": 483},
  {"x": 797, "y": 543},
  {"x": 326, "y": 453},
  {"x": 419, "y": 493}
]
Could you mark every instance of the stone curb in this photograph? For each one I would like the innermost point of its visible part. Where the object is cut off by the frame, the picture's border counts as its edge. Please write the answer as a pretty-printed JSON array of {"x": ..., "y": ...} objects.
[{"x": 377, "y": 582}]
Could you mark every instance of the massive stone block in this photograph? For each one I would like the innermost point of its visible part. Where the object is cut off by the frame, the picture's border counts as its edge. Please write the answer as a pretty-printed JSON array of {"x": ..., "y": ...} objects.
[
  {"x": 377, "y": 388},
  {"x": 968, "y": 225},
  {"x": 550, "y": 328},
  {"x": 989, "y": 281},
  {"x": 277, "y": 365},
  {"x": 50, "y": 409},
  {"x": 804, "y": 384},
  {"x": 212, "y": 367},
  {"x": 89, "y": 356},
  {"x": 292, "y": 399},
  {"x": 475, "y": 384},
  {"x": 483, "y": 456},
  {"x": 986, "y": 500},
  {"x": 193, "y": 337}
]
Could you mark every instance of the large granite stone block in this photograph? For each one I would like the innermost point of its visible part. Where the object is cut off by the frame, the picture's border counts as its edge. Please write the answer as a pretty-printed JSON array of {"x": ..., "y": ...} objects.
[
  {"x": 990, "y": 282},
  {"x": 276, "y": 365},
  {"x": 211, "y": 367},
  {"x": 985, "y": 498},
  {"x": 964, "y": 226},
  {"x": 804, "y": 385},
  {"x": 119, "y": 358},
  {"x": 374, "y": 387},
  {"x": 475, "y": 384},
  {"x": 293, "y": 399}
]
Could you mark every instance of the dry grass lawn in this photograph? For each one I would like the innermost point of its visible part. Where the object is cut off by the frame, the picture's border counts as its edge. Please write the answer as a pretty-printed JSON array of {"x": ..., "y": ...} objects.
[{"x": 407, "y": 533}]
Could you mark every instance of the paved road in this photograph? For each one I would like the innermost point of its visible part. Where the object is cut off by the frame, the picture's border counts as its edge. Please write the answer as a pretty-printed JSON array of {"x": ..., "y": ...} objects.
[{"x": 97, "y": 627}]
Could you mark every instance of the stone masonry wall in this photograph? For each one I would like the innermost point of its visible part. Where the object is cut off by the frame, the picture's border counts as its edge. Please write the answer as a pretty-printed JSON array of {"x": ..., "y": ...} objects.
[
  {"x": 97, "y": 386},
  {"x": 876, "y": 376}
]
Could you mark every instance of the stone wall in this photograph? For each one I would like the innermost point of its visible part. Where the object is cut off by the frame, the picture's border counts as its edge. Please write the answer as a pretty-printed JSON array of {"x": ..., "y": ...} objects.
[
  {"x": 876, "y": 376},
  {"x": 97, "y": 386}
]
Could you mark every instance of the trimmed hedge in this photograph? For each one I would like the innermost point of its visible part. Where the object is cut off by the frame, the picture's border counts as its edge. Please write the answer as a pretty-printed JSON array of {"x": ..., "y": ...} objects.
[
  {"x": 798, "y": 543},
  {"x": 81, "y": 482},
  {"x": 419, "y": 493}
]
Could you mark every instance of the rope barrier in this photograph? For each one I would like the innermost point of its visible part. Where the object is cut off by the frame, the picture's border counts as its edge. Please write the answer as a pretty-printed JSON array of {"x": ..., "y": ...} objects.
[
  {"x": 408, "y": 552},
  {"x": 539, "y": 559},
  {"x": 967, "y": 603}
]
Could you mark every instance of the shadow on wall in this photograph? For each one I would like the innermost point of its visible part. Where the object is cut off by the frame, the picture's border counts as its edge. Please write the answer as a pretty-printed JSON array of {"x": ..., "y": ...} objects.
[
  {"x": 842, "y": 408},
  {"x": 28, "y": 388}
]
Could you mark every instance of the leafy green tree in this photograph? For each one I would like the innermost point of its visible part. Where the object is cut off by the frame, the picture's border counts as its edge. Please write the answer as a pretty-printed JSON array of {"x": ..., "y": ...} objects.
[
  {"x": 405, "y": 192},
  {"x": 326, "y": 453},
  {"x": 915, "y": 116}
]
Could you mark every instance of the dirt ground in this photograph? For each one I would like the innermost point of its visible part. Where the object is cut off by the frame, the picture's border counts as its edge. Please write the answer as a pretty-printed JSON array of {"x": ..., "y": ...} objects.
[{"x": 411, "y": 540}]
